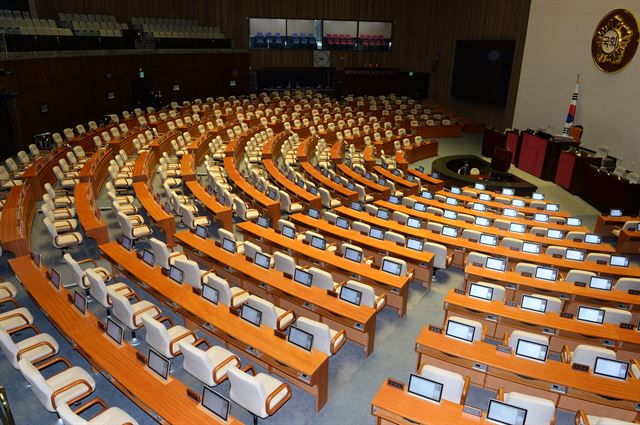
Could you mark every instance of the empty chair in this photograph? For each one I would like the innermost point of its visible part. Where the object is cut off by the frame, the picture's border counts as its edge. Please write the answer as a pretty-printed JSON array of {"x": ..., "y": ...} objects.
[
  {"x": 79, "y": 275},
  {"x": 512, "y": 243},
  {"x": 192, "y": 275},
  {"x": 522, "y": 268},
  {"x": 441, "y": 260},
  {"x": 578, "y": 276},
  {"x": 63, "y": 241},
  {"x": 586, "y": 354},
  {"x": 208, "y": 366},
  {"x": 368, "y": 296},
  {"x": 597, "y": 257},
  {"x": 515, "y": 337},
  {"x": 556, "y": 251},
  {"x": 260, "y": 394},
  {"x": 108, "y": 415},
  {"x": 34, "y": 349},
  {"x": 627, "y": 283},
  {"x": 582, "y": 418},
  {"x": 192, "y": 221},
  {"x": 225, "y": 234},
  {"x": 454, "y": 386},
  {"x": 231, "y": 296},
  {"x": 62, "y": 225},
  {"x": 322, "y": 279},
  {"x": 60, "y": 199},
  {"x": 243, "y": 211},
  {"x": 361, "y": 227},
  {"x": 130, "y": 315},
  {"x": 325, "y": 339},
  {"x": 472, "y": 235},
  {"x": 326, "y": 199},
  {"x": 284, "y": 263},
  {"x": 616, "y": 315},
  {"x": 627, "y": 226},
  {"x": 272, "y": 316},
  {"x": 133, "y": 231},
  {"x": 162, "y": 255},
  {"x": 286, "y": 205},
  {"x": 165, "y": 341},
  {"x": 394, "y": 237},
  {"x": 501, "y": 224},
  {"x": 540, "y": 411},
  {"x": 101, "y": 292}
]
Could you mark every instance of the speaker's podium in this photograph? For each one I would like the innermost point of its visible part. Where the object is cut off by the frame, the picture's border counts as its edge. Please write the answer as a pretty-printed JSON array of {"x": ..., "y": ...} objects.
[
  {"x": 501, "y": 160},
  {"x": 540, "y": 152}
]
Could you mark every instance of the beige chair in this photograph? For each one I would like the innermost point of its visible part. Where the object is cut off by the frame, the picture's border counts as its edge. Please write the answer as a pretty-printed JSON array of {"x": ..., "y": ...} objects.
[
  {"x": 260, "y": 394},
  {"x": 64, "y": 241},
  {"x": 209, "y": 366},
  {"x": 79, "y": 275},
  {"x": 368, "y": 296},
  {"x": 582, "y": 418},
  {"x": 325, "y": 339},
  {"x": 108, "y": 415},
  {"x": 165, "y": 340},
  {"x": 540, "y": 411},
  {"x": 585, "y": 354},
  {"x": 273, "y": 317},
  {"x": 231, "y": 296},
  {"x": 101, "y": 292},
  {"x": 192, "y": 221},
  {"x": 130, "y": 315},
  {"x": 454, "y": 386},
  {"x": 133, "y": 231},
  {"x": 34, "y": 349}
]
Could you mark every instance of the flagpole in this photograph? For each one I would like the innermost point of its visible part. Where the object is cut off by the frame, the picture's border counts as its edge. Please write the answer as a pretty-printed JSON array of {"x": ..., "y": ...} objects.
[{"x": 571, "y": 115}]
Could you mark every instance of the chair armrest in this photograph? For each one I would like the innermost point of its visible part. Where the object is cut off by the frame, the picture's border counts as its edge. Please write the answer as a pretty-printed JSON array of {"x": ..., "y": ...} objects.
[
  {"x": 89, "y": 260},
  {"x": 69, "y": 386},
  {"x": 178, "y": 338},
  {"x": 223, "y": 364},
  {"x": 237, "y": 295},
  {"x": 449, "y": 259},
  {"x": 565, "y": 354},
  {"x": 334, "y": 348},
  {"x": 411, "y": 273},
  {"x": 249, "y": 368},
  {"x": 201, "y": 341},
  {"x": 23, "y": 327},
  {"x": 54, "y": 361},
  {"x": 634, "y": 362},
  {"x": 282, "y": 317},
  {"x": 11, "y": 316},
  {"x": 380, "y": 301},
  {"x": 136, "y": 220},
  {"x": 500, "y": 395},
  {"x": 177, "y": 254},
  {"x": 33, "y": 347},
  {"x": 165, "y": 319},
  {"x": 90, "y": 404},
  {"x": 138, "y": 313},
  {"x": 271, "y": 411},
  {"x": 11, "y": 300},
  {"x": 581, "y": 418},
  {"x": 465, "y": 389}
]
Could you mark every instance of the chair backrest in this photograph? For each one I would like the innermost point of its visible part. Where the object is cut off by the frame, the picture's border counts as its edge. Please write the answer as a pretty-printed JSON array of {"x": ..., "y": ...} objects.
[
  {"x": 222, "y": 286},
  {"x": 125, "y": 225},
  {"x": 69, "y": 417},
  {"x": 157, "y": 336},
  {"x": 368, "y": 295},
  {"x": 51, "y": 228},
  {"x": 76, "y": 270},
  {"x": 122, "y": 309},
  {"x": 98, "y": 289},
  {"x": 452, "y": 383},
  {"x": 320, "y": 331},
  {"x": 187, "y": 216},
  {"x": 250, "y": 249},
  {"x": 440, "y": 254},
  {"x": 284, "y": 263},
  {"x": 498, "y": 290},
  {"x": 269, "y": 315},
  {"x": 527, "y": 336},
  {"x": 512, "y": 243},
  {"x": 192, "y": 274},
  {"x": 578, "y": 276},
  {"x": 540, "y": 411},
  {"x": 526, "y": 268},
  {"x": 321, "y": 278},
  {"x": 247, "y": 391},
  {"x": 39, "y": 385},
  {"x": 394, "y": 237},
  {"x": 361, "y": 227},
  {"x": 9, "y": 348},
  {"x": 587, "y": 354},
  {"x": 627, "y": 283},
  {"x": 197, "y": 362},
  {"x": 616, "y": 315}
]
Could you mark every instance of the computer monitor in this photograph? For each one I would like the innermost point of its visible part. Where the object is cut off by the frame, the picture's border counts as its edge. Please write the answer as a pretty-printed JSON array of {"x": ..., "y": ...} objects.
[
  {"x": 413, "y": 222},
  {"x": 396, "y": 172},
  {"x": 619, "y": 261},
  {"x": 611, "y": 368},
  {"x": 484, "y": 197},
  {"x": 80, "y": 302},
  {"x": 55, "y": 278},
  {"x": 351, "y": 186},
  {"x": 376, "y": 233},
  {"x": 148, "y": 257},
  {"x": 300, "y": 183},
  {"x": 452, "y": 232},
  {"x": 420, "y": 168},
  {"x": 575, "y": 254},
  {"x": 532, "y": 303},
  {"x": 158, "y": 363},
  {"x": 201, "y": 231},
  {"x": 509, "y": 212},
  {"x": 342, "y": 223},
  {"x": 356, "y": 206},
  {"x": 223, "y": 200},
  {"x": 215, "y": 403},
  {"x": 114, "y": 331},
  {"x": 592, "y": 238},
  {"x": 289, "y": 232},
  {"x": 391, "y": 267},
  {"x": 314, "y": 213},
  {"x": 176, "y": 274},
  {"x": 263, "y": 221},
  {"x": 419, "y": 206},
  {"x": 37, "y": 258},
  {"x": 589, "y": 314},
  {"x": 506, "y": 414},
  {"x": 517, "y": 227},
  {"x": 555, "y": 234},
  {"x": 482, "y": 221},
  {"x": 300, "y": 338},
  {"x": 383, "y": 214},
  {"x": 552, "y": 207},
  {"x": 451, "y": 201},
  {"x": 546, "y": 273},
  {"x": 251, "y": 315},
  {"x": 272, "y": 194},
  {"x": 382, "y": 181},
  {"x": 210, "y": 293},
  {"x": 435, "y": 174},
  {"x": 537, "y": 196},
  {"x": 616, "y": 213},
  {"x": 508, "y": 191},
  {"x": 602, "y": 283},
  {"x": 487, "y": 239},
  {"x": 350, "y": 295},
  {"x": 542, "y": 218},
  {"x": 412, "y": 178},
  {"x": 167, "y": 207},
  {"x": 415, "y": 244},
  {"x": 574, "y": 221},
  {"x": 367, "y": 175},
  {"x": 452, "y": 215},
  {"x": 517, "y": 203},
  {"x": 477, "y": 206},
  {"x": 531, "y": 350},
  {"x": 353, "y": 254},
  {"x": 318, "y": 242},
  {"x": 456, "y": 190},
  {"x": 263, "y": 260},
  {"x": 481, "y": 291},
  {"x": 460, "y": 331},
  {"x": 126, "y": 243},
  {"x": 479, "y": 186},
  {"x": 498, "y": 264},
  {"x": 425, "y": 388},
  {"x": 229, "y": 245},
  {"x": 394, "y": 199},
  {"x": 531, "y": 247},
  {"x": 426, "y": 194},
  {"x": 312, "y": 189},
  {"x": 303, "y": 277}
]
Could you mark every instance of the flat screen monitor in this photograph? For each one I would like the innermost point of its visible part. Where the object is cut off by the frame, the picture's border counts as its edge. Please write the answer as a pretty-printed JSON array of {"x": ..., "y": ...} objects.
[
  {"x": 251, "y": 315},
  {"x": 272, "y": 194},
  {"x": 314, "y": 213},
  {"x": 460, "y": 331},
  {"x": 451, "y": 201},
  {"x": 574, "y": 221},
  {"x": 350, "y": 295},
  {"x": 376, "y": 233},
  {"x": 531, "y": 350},
  {"x": 312, "y": 190},
  {"x": 413, "y": 222},
  {"x": 300, "y": 338},
  {"x": 382, "y": 181},
  {"x": 481, "y": 291},
  {"x": 114, "y": 331},
  {"x": 508, "y": 191},
  {"x": 602, "y": 283},
  {"x": 616, "y": 213},
  {"x": 517, "y": 227},
  {"x": 531, "y": 247},
  {"x": 353, "y": 254},
  {"x": 552, "y": 207},
  {"x": 484, "y": 197},
  {"x": 619, "y": 261},
  {"x": 391, "y": 267},
  {"x": 356, "y": 206},
  {"x": 542, "y": 218},
  {"x": 351, "y": 186},
  {"x": 537, "y": 196},
  {"x": 223, "y": 200},
  {"x": 367, "y": 176},
  {"x": 477, "y": 206},
  {"x": 176, "y": 274},
  {"x": 435, "y": 174},
  {"x": 479, "y": 186},
  {"x": 289, "y": 232},
  {"x": 420, "y": 168},
  {"x": 318, "y": 242},
  {"x": 396, "y": 172},
  {"x": 532, "y": 303},
  {"x": 215, "y": 403},
  {"x": 589, "y": 314},
  {"x": 592, "y": 238},
  {"x": 611, "y": 368},
  {"x": 426, "y": 194},
  {"x": 201, "y": 231},
  {"x": 517, "y": 203},
  {"x": 210, "y": 293},
  {"x": 487, "y": 239},
  {"x": 412, "y": 178},
  {"x": 425, "y": 388},
  {"x": 303, "y": 277},
  {"x": 456, "y": 190},
  {"x": 159, "y": 364},
  {"x": 394, "y": 199},
  {"x": 37, "y": 259},
  {"x": 148, "y": 257},
  {"x": 383, "y": 214},
  {"x": 262, "y": 260},
  {"x": 342, "y": 223},
  {"x": 415, "y": 244},
  {"x": 126, "y": 243},
  {"x": 229, "y": 245},
  {"x": 506, "y": 414},
  {"x": 509, "y": 212},
  {"x": 452, "y": 215},
  {"x": 452, "y": 232},
  {"x": 555, "y": 234},
  {"x": 419, "y": 206},
  {"x": 499, "y": 264},
  {"x": 482, "y": 221},
  {"x": 80, "y": 302},
  {"x": 300, "y": 183},
  {"x": 546, "y": 273},
  {"x": 575, "y": 254},
  {"x": 55, "y": 278},
  {"x": 263, "y": 221}
]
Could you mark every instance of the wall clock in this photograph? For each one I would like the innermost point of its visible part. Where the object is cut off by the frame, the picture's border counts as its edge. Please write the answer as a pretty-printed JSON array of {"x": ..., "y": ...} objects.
[
  {"x": 615, "y": 40},
  {"x": 321, "y": 58}
]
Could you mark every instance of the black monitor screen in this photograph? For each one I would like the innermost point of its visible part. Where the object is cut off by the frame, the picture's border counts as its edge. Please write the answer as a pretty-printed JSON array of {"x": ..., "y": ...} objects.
[
  {"x": 588, "y": 314},
  {"x": 343, "y": 223},
  {"x": 452, "y": 215},
  {"x": 318, "y": 242},
  {"x": 477, "y": 206},
  {"x": 488, "y": 240},
  {"x": 148, "y": 257},
  {"x": 303, "y": 277},
  {"x": 575, "y": 254},
  {"x": 158, "y": 364},
  {"x": 537, "y": 196},
  {"x": 419, "y": 206},
  {"x": 394, "y": 199},
  {"x": 591, "y": 238},
  {"x": 262, "y": 260},
  {"x": 517, "y": 202},
  {"x": 176, "y": 274},
  {"x": 228, "y": 245},
  {"x": 552, "y": 207},
  {"x": 356, "y": 206},
  {"x": 114, "y": 331},
  {"x": 350, "y": 295},
  {"x": 543, "y": 218},
  {"x": 619, "y": 261},
  {"x": 210, "y": 294},
  {"x": 426, "y": 194},
  {"x": 505, "y": 413},
  {"x": 55, "y": 278},
  {"x": 531, "y": 247},
  {"x": 574, "y": 221},
  {"x": 532, "y": 303},
  {"x": 480, "y": 291},
  {"x": 484, "y": 197},
  {"x": 415, "y": 244},
  {"x": 554, "y": 234},
  {"x": 126, "y": 243},
  {"x": 215, "y": 403},
  {"x": 80, "y": 302},
  {"x": 479, "y": 186},
  {"x": 391, "y": 267},
  {"x": 435, "y": 174},
  {"x": 416, "y": 223},
  {"x": 289, "y": 232},
  {"x": 602, "y": 283},
  {"x": 424, "y": 387},
  {"x": 498, "y": 264},
  {"x": 546, "y": 273},
  {"x": 517, "y": 227},
  {"x": 314, "y": 213},
  {"x": 611, "y": 368},
  {"x": 456, "y": 190},
  {"x": 201, "y": 231},
  {"x": 508, "y": 191},
  {"x": 383, "y": 214},
  {"x": 353, "y": 254},
  {"x": 376, "y": 233},
  {"x": 300, "y": 338},
  {"x": 482, "y": 221},
  {"x": 263, "y": 221},
  {"x": 616, "y": 213},
  {"x": 532, "y": 350},
  {"x": 451, "y": 201},
  {"x": 450, "y": 231},
  {"x": 460, "y": 331},
  {"x": 251, "y": 315},
  {"x": 508, "y": 212}
]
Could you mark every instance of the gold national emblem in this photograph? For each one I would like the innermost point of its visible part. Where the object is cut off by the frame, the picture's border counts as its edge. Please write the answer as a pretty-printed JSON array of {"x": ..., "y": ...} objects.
[{"x": 615, "y": 40}]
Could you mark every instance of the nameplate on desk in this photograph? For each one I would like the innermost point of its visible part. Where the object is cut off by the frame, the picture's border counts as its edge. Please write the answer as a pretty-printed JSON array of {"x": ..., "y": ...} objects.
[
  {"x": 164, "y": 272},
  {"x": 196, "y": 291},
  {"x": 601, "y": 262},
  {"x": 557, "y": 388},
  {"x": 472, "y": 411},
  {"x": 479, "y": 366},
  {"x": 513, "y": 248},
  {"x": 279, "y": 334},
  {"x": 477, "y": 264},
  {"x": 526, "y": 274},
  {"x": 287, "y": 275},
  {"x": 633, "y": 292},
  {"x": 436, "y": 329},
  {"x": 141, "y": 357},
  {"x": 548, "y": 331},
  {"x": 566, "y": 315},
  {"x": 511, "y": 286},
  {"x": 331, "y": 293},
  {"x": 101, "y": 326},
  {"x": 234, "y": 311},
  {"x": 580, "y": 284},
  {"x": 577, "y": 240},
  {"x": 460, "y": 291},
  {"x": 193, "y": 395},
  {"x": 395, "y": 384},
  {"x": 306, "y": 242},
  {"x": 70, "y": 298},
  {"x": 338, "y": 254},
  {"x": 510, "y": 304},
  {"x": 491, "y": 318},
  {"x": 375, "y": 266},
  {"x": 626, "y": 326},
  {"x": 473, "y": 240},
  {"x": 580, "y": 367},
  {"x": 557, "y": 256},
  {"x": 503, "y": 349},
  {"x": 608, "y": 343}
]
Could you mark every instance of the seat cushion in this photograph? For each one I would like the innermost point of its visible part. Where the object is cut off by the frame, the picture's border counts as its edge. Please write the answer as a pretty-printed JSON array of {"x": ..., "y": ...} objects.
[
  {"x": 176, "y": 331},
  {"x": 599, "y": 420},
  {"x": 270, "y": 384},
  {"x": 38, "y": 352},
  {"x": 141, "y": 231},
  {"x": 149, "y": 313},
  {"x": 22, "y": 316},
  {"x": 113, "y": 415},
  {"x": 68, "y": 239},
  {"x": 68, "y": 376},
  {"x": 7, "y": 289},
  {"x": 219, "y": 354}
]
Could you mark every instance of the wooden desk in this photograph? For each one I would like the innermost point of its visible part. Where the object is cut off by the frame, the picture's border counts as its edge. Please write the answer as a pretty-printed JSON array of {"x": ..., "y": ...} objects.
[
  {"x": 628, "y": 242},
  {"x": 606, "y": 223},
  {"x": 396, "y": 288},
  {"x": 17, "y": 218},
  {"x": 493, "y": 194},
  {"x": 417, "y": 152},
  {"x": 499, "y": 319},
  {"x": 421, "y": 262},
  {"x": 220, "y": 213},
  {"x": 92, "y": 178},
  {"x": 576, "y": 389},
  {"x": 117, "y": 363},
  {"x": 377, "y": 190},
  {"x": 359, "y": 322},
  {"x": 392, "y": 405},
  {"x": 41, "y": 171},
  {"x": 307, "y": 370},
  {"x": 337, "y": 190},
  {"x": 432, "y": 184},
  {"x": 402, "y": 184},
  {"x": 290, "y": 187}
]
